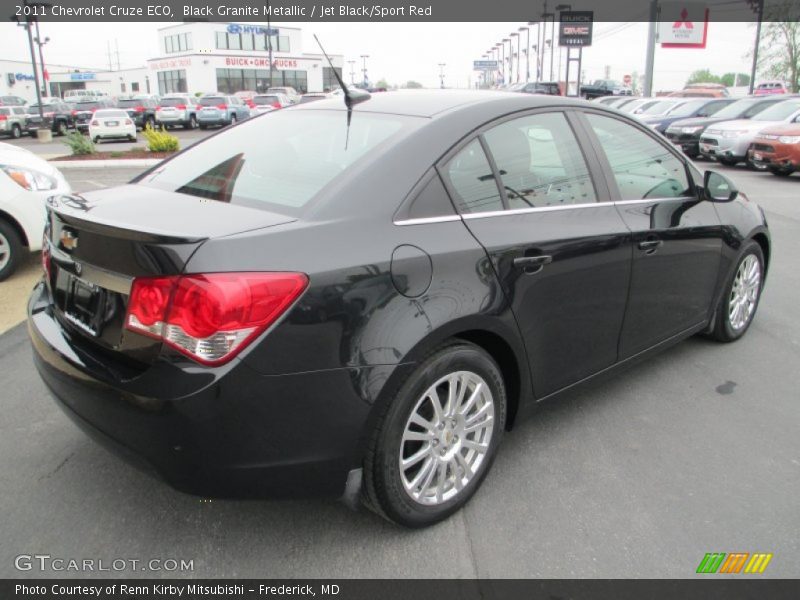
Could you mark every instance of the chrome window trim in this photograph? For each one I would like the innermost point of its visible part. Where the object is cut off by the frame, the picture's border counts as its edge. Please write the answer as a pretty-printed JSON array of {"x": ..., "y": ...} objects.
[{"x": 535, "y": 209}]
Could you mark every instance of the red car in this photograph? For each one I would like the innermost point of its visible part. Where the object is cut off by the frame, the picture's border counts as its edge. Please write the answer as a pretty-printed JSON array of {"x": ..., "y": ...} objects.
[
  {"x": 777, "y": 148},
  {"x": 766, "y": 88}
]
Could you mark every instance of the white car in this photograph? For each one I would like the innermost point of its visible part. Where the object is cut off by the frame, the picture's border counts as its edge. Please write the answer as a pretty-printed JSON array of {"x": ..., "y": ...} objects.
[
  {"x": 268, "y": 102},
  {"x": 112, "y": 124},
  {"x": 26, "y": 181},
  {"x": 729, "y": 141}
]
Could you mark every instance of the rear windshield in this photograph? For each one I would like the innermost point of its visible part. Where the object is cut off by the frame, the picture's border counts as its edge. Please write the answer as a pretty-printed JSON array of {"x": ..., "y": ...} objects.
[
  {"x": 129, "y": 102},
  {"x": 173, "y": 102},
  {"x": 87, "y": 105},
  {"x": 110, "y": 113},
  {"x": 306, "y": 151},
  {"x": 212, "y": 100},
  {"x": 264, "y": 100},
  {"x": 45, "y": 108},
  {"x": 779, "y": 112}
]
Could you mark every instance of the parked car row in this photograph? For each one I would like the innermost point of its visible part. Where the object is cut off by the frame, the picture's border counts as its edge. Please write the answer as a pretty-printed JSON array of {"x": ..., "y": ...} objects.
[{"x": 762, "y": 130}]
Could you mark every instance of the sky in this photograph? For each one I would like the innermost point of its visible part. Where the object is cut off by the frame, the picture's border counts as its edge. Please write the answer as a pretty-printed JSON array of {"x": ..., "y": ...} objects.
[{"x": 399, "y": 52}]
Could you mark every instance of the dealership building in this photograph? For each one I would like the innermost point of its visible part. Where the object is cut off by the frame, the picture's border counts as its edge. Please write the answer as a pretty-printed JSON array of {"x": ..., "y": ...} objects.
[{"x": 194, "y": 57}]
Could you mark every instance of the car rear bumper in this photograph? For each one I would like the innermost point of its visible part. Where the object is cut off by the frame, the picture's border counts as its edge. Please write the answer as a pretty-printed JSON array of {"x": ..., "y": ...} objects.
[{"x": 226, "y": 432}]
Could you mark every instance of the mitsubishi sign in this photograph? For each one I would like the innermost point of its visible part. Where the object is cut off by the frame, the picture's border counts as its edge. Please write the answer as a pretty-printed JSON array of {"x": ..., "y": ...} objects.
[{"x": 682, "y": 24}]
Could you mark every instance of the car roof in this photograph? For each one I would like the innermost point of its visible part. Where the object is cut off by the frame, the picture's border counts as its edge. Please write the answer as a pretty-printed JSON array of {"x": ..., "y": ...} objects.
[{"x": 432, "y": 103}]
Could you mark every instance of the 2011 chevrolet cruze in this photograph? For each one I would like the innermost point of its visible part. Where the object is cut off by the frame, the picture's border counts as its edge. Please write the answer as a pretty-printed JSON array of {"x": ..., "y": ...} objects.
[{"x": 300, "y": 306}]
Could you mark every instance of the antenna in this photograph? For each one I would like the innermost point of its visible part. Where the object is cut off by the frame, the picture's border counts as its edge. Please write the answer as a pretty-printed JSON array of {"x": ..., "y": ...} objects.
[{"x": 351, "y": 97}]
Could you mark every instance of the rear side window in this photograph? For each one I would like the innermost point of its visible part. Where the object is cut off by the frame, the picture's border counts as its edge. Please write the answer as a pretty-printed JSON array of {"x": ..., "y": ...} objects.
[
  {"x": 540, "y": 162},
  {"x": 278, "y": 162},
  {"x": 643, "y": 168},
  {"x": 472, "y": 181}
]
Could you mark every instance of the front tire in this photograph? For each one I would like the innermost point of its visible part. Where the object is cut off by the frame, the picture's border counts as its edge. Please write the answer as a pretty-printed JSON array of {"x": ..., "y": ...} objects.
[
  {"x": 437, "y": 439},
  {"x": 739, "y": 302},
  {"x": 10, "y": 250},
  {"x": 728, "y": 162},
  {"x": 781, "y": 171}
]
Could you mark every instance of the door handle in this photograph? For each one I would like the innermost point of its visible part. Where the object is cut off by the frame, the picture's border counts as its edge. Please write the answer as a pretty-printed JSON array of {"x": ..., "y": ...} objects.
[
  {"x": 650, "y": 246},
  {"x": 532, "y": 264}
]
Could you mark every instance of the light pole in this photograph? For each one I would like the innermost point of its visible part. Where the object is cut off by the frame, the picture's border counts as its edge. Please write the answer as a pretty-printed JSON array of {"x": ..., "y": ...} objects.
[
  {"x": 568, "y": 8},
  {"x": 496, "y": 58},
  {"x": 503, "y": 60},
  {"x": 527, "y": 53},
  {"x": 510, "y": 64},
  {"x": 514, "y": 34},
  {"x": 364, "y": 58},
  {"x": 549, "y": 43},
  {"x": 41, "y": 43},
  {"x": 352, "y": 64},
  {"x": 441, "y": 74}
]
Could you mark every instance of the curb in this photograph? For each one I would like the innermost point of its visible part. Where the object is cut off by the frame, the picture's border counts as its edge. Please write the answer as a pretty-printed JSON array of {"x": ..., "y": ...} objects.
[{"x": 101, "y": 164}]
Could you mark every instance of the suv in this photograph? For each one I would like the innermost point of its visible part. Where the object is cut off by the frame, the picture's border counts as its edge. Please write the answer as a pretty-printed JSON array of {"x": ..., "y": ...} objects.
[
  {"x": 13, "y": 121},
  {"x": 58, "y": 117},
  {"x": 84, "y": 110},
  {"x": 550, "y": 88},
  {"x": 172, "y": 111},
  {"x": 217, "y": 109},
  {"x": 287, "y": 91},
  {"x": 141, "y": 110},
  {"x": 12, "y": 101},
  {"x": 766, "y": 88}
]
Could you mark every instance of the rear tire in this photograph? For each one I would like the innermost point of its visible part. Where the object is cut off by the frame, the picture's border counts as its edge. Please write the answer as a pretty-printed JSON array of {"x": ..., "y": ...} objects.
[
  {"x": 728, "y": 162},
  {"x": 743, "y": 289},
  {"x": 16, "y": 132},
  {"x": 10, "y": 250},
  {"x": 454, "y": 444},
  {"x": 781, "y": 172},
  {"x": 192, "y": 124},
  {"x": 61, "y": 128}
]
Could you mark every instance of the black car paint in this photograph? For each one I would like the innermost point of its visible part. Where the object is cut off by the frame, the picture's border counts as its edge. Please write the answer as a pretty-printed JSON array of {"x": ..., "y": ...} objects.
[
  {"x": 61, "y": 119},
  {"x": 660, "y": 124},
  {"x": 389, "y": 283}
]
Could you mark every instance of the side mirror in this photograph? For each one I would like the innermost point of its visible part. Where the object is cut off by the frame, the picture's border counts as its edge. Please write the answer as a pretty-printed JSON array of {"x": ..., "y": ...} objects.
[{"x": 718, "y": 188}]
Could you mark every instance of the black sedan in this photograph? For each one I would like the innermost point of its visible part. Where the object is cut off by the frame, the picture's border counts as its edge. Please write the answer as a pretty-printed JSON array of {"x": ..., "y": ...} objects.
[{"x": 364, "y": 306}]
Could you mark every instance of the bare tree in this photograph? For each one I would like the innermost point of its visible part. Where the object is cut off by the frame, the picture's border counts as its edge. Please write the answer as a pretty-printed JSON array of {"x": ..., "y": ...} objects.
[{"x": 779, "y": 50}]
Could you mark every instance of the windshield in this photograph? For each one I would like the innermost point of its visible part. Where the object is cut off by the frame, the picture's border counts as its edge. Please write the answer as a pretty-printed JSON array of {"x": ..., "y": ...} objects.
[
  {"x": 659, "y": 107},
  {"x": 305, "y": 153},
  {"x": 264, "y": 100},
  {"x": 779, "y": 112},
  {"x": 688, "y": 109},
  {"x": 174, "y": 102}
]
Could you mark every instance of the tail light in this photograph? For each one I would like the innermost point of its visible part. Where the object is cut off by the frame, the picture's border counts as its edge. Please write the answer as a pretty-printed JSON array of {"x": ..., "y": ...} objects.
[
  {"x": 95, "y": 123},
  {"x": 276, "y": 105},
  {"x": 250, "y": 104},
  {"x": 199, "y": 107},
  {"x": 222, "y": 106},
  {"x": 211, "y": 318},
  {"x": 128, "y": 122},
  {"x": 46, "y": 256},
  {"x": 181, "y": 107},
  {"x": 74, "y": 112},
  {"x": 3, "y": 117},
  {"x": 139, "y": 109},
  {"x": 158, "y": 108}
]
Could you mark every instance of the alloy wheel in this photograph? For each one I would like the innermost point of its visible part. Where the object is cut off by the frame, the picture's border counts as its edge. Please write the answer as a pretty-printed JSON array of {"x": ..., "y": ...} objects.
[
  {"x": 744, "y": 292},
  {"x": 5, "y": 251},
  {"x": 446, "y": 438}
]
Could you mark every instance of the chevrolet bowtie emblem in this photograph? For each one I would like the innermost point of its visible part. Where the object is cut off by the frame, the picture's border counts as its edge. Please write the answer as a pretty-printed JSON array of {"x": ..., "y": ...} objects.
[{"x": 69, "y": 240}]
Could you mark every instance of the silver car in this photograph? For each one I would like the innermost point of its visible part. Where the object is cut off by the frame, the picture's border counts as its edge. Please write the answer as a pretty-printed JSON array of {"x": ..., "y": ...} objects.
[
  {"x": 13, "y": 121},
  {"x": 177, "y": 111}
]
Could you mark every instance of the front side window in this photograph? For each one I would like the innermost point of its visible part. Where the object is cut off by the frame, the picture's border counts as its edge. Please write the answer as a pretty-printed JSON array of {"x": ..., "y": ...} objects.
[
  {"x": 472, "y": 181},
  {"x": 540, "y": 162},
  {"x": 643, "y": 168}
]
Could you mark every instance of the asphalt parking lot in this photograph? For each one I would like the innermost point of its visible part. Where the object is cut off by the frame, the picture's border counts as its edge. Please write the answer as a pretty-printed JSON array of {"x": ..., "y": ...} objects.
[{"x": 694, "y": 451}]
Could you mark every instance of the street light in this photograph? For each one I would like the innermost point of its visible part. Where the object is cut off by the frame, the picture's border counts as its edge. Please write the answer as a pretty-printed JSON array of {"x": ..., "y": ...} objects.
[
  {"x": 441, "y": 74},
  {"x": 352, "y": 64},
  {"x": 41, "y": 43},
  {"x": 509, "y": 58},
  {"x": 549, "y": 43},
  {"x": 562, "y": 7},
  {"x": 527, "y": 53},
  {"x": 364, "y": 58},
  {"x": 502, "y": 47},
  {"x": 514, "y": 34}
]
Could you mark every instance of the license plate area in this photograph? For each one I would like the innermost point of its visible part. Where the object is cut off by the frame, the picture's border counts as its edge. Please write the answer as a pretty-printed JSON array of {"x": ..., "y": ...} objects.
[
  {"x": 84, "y": 304},
  {"x": 112, "y": 123}
]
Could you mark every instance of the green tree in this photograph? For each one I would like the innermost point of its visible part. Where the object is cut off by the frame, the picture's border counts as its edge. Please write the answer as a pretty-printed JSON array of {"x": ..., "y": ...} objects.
[
  {"x": 703, "y": 76},
  {"x": 413, "y": 85},
  {"x": 779, "y": 50}
]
